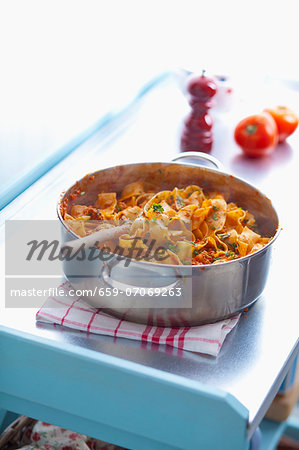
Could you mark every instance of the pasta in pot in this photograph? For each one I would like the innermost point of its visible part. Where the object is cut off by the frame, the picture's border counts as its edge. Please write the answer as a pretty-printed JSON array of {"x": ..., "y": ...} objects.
[{"x": 179, "y": 226}]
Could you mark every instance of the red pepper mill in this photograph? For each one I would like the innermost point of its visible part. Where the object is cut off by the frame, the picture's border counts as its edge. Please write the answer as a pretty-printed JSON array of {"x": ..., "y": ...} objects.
[{"x": 197, "y": 132}]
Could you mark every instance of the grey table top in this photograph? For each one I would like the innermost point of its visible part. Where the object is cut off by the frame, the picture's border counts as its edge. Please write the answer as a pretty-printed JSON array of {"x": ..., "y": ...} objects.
[{"x": 259, "y": 351}]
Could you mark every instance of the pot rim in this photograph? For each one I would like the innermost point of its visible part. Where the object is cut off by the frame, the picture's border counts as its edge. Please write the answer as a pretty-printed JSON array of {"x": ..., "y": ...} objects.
[{"x": 187, "y": 266}]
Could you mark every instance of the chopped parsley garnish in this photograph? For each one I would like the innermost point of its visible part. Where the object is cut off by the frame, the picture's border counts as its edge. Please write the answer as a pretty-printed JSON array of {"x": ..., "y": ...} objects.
[
  {"x": 215, "y": 208},
  {"x": 160, "y": 171},
  {"x": 233, "y": 245},
  {"x": 158, "y": 208},
  {"x": 212, "y": 227},
  {"x": 223, "y": 235},
  {"x": 231, "y": 254},
  {"x": 180, "y": 201},
  {"x": 195, "y": 252},
  {"x": 216, "y": 259},
  {"x": 214, "y": 216},
  {"x": 171, "y": 247},
  {"x": 154, "y": 219},
  {"x": 118, "y": 208},
  {"x": 254, "y": 227}
]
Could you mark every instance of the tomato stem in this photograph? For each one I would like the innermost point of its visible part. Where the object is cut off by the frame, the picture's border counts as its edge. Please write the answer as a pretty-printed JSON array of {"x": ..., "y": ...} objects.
[{"x": 251, "y": 129}]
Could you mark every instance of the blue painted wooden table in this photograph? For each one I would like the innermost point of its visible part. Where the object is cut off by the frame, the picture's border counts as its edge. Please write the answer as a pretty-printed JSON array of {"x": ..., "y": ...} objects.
[{"x": 153, "y": 396}]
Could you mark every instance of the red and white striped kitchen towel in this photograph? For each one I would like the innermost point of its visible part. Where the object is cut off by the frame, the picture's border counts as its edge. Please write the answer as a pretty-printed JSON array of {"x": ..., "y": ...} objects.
[{"x": 75, "y": 313}]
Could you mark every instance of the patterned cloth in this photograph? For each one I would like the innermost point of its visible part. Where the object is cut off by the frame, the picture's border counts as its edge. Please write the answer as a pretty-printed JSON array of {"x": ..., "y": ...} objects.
[
  {"x": 73, "y": 312},
  {"x": 44, "y": 436}
]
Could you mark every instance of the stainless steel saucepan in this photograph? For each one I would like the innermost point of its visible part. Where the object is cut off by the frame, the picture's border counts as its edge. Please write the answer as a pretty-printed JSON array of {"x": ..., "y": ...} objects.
[{"x": 169, "y": 295}]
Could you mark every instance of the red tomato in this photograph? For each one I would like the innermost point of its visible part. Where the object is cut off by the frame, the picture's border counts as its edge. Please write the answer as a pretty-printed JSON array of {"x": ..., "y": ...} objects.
[
  {"x": 257, "y": 135},
  {"x": 286, "y": 121}
]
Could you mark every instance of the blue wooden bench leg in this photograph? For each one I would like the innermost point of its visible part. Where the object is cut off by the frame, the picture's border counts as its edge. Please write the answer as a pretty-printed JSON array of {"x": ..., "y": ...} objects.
[
  {"x": 6, "y": 417},
  {"x": 2, "y": 416},
  {"x": 256, "y": 440}
]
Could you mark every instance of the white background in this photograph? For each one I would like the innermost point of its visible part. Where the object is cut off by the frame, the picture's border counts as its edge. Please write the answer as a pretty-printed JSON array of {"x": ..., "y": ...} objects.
[{"x": 65, "y": 63}]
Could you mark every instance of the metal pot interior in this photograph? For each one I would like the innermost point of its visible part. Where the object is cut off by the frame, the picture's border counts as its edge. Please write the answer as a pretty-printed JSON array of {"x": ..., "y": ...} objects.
[{"x": 166, "y": 176}]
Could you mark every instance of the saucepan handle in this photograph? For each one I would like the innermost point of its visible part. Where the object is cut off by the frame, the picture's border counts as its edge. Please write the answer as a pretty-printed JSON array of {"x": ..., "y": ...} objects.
[
  {"x": 200, "y": 156},
  {"x": 111, "y": 282}
]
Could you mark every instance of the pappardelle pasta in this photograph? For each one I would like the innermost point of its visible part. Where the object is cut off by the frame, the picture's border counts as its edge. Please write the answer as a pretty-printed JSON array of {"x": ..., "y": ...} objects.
[{"x": 182, "y": 226}]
